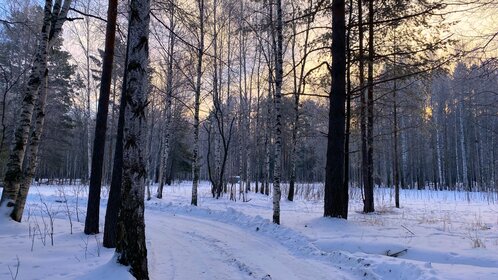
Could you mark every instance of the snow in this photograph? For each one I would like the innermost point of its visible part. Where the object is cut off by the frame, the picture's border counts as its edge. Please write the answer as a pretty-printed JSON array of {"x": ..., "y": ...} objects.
[{"x": 446, "y": 235}]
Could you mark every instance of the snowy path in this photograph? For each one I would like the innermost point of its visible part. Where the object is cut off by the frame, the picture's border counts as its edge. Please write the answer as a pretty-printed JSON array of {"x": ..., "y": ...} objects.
[
  {"x": 222, "y": 239},
  {"x": 204, "y": 249}
]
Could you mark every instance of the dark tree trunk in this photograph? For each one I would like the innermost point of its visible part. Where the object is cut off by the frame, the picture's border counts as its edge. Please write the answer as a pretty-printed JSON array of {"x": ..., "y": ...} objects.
[
  {"x": 114, "y": 200},
  {"x": 363, "y": 103},
  {"x": 93, "y": 206},
  {"x": 130, "y": 247},
  {"x": 336, "y": 193},
  {"x": 368, "y": 204},
  {"x": 395, "y": 134},
  {"x": 348, "y": 96}
]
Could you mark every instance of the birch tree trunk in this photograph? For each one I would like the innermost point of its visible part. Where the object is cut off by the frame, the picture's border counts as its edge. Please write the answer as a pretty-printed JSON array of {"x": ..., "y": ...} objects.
[
  {"x": 88, "y": 118},
  {"x": 258, "y": 130},
  {"x": 278, "y": 114},
  {"x": 242, "y": 109},
  {"x": 240, "y": 119},
  {"x": 268, "y": 132},
  {"x": 13, "y": 176},
  {"x": 53, "y": 19},
  {"x": 32, "y": 151},
  {"x": 150, "y": 125},
  {"x": 200, "y": 52},
  {"x": 169, "y": 96},
  {"x": 131, "y": 249},
  {"x": 247, "y": 115}
]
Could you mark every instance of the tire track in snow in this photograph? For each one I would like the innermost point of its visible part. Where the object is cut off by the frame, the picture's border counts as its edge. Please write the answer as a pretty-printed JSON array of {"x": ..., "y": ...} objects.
[{"x": 205, "y": 249}]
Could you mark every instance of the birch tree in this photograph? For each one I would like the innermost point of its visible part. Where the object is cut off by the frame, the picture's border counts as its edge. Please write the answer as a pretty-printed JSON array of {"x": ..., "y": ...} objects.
[
  {"x": 278, "y": 50},
  {"x": 32, "y": 150},
  {"x": 130, "y": 248},
  {"x": 55, "y": 14},
  {"x": 169, "y": 95}
]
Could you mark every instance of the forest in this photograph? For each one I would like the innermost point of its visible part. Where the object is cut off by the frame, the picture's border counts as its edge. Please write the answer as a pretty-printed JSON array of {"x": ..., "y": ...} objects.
[{"x": 249, "y": 117}]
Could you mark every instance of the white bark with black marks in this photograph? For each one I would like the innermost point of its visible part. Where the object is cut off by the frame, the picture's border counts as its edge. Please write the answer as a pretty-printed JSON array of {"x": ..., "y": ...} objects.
[
  {"x": 277, "y": 113},
  {"x": 131, "y": 249},
  {"x": 32, "y": 151},
  {"x": 169, "y": 95},
  {"x": 54, "y": 16}
]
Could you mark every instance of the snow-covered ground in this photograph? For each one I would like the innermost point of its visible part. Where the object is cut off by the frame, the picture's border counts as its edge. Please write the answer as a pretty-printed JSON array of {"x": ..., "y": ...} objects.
[{"x": 435, "y": 235}]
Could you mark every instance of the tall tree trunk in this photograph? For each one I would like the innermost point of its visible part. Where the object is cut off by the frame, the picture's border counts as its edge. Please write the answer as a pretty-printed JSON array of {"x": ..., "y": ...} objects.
[
  {"x": 268, "y": 136},
  {"x": 114, "y": 200},
  {"x": 14, "y": 176},
  {"x": 368, "y": 205},
  {"x": 258, "y": 131},
  {"x": 88, "y": 117},
  {"x": 348, "y": 97},
  {"x": 363, "y": 103},
  {"x": 169, "y": 96},
  {"x": 241, "y": 119},
  {"x": 439, "y": 153},
  {"x": 215, "y": 178},
  {"x": 395, "y": 152},
  {"x": 299, "y": 85},
  {"x": 336, "y": 193},
  {"x": 32, "y": 152},
  {"x": 395, "y": 129},
  {"x": 54, "y": 17},
  {"x": 457, "y": 158},
  {"x": 150, "y": 125},
  {"x": 130, "y": 248},
  {"x": 110, "y": 132},
  {"x": 278, "y": 114},
  {"x": 465, "y": 176},
  {"x": 200, "y": 52},
  {"x": 292, "y": 179},
  {"x": 93, "y": 206},
  {"x": 270, "y": 62},
  {"x": 404, "y": 154}
]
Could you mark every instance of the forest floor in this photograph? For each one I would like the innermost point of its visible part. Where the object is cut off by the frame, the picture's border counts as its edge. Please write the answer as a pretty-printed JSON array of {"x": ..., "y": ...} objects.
[{"x": 434, "y": 235}]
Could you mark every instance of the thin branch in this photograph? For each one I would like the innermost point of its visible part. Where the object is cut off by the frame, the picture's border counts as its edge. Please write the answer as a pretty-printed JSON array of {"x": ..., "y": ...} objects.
[{"x": 87, "y": 15}]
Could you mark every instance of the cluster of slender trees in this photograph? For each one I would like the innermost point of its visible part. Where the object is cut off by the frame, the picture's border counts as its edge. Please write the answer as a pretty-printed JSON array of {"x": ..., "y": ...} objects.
[{"x": 263, "y": 93}]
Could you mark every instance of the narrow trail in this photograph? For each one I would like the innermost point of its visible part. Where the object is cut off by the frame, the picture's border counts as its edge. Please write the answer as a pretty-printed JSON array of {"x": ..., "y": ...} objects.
[{"x": 205, "y": 249}]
